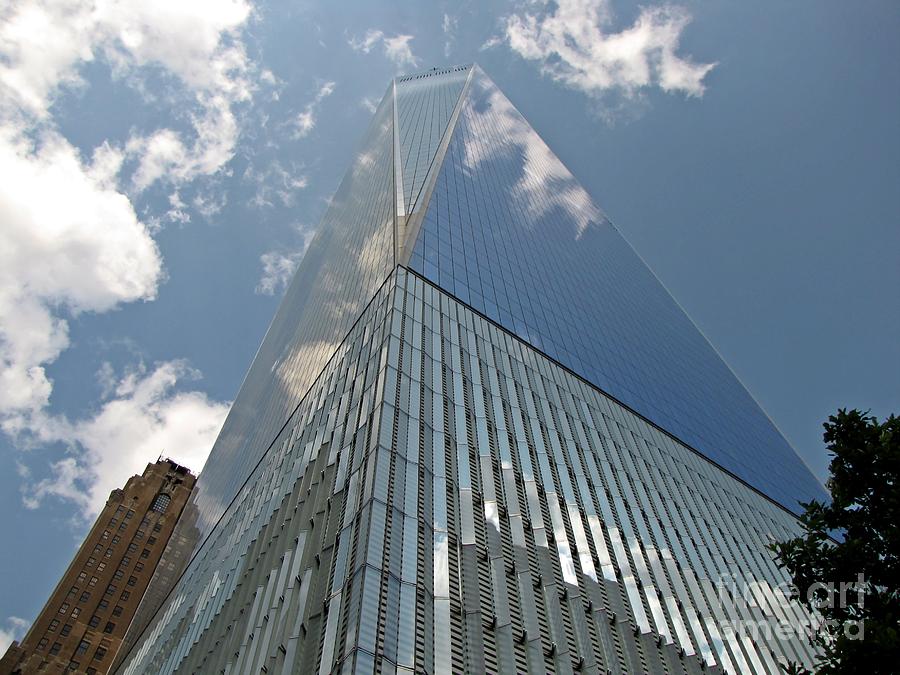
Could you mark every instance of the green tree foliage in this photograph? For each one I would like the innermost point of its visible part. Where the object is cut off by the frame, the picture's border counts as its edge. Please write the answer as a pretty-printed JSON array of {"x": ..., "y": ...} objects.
[{"x": 855, "y": 537}]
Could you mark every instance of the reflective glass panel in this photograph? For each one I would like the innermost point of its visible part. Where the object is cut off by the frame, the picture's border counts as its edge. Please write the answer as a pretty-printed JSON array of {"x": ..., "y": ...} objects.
[
  {"x": 425, "y": 103},
  {"x": 347, "y": 260},
  {"x": 510, "y": 231}
]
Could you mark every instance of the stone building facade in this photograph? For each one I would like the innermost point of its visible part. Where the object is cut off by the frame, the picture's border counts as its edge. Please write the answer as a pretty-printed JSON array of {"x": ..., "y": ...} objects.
[{"x": 82, "y": 625}]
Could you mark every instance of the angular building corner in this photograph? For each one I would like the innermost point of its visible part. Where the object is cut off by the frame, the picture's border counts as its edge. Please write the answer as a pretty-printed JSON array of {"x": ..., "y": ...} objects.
[{"x": 480, "y": 436}]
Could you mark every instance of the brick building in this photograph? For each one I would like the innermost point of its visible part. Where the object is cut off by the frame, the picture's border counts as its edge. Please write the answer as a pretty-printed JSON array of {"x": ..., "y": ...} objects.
[{"x": 83, "y": 623}]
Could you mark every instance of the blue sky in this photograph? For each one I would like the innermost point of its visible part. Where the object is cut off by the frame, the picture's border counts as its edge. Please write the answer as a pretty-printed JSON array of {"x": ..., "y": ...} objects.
[{"x": 164, "y": 164}]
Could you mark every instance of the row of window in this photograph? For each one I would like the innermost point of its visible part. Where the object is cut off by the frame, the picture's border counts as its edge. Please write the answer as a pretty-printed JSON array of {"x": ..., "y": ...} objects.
[
  {"x": 137, "y": 535},
  {"x": 159, "y": 506},
  {"x": 93, "y": 623},
  {"x": 160, "y": 503},
  {"x": 103, "y": 604},
  {"x": 91, "y": 581},
  {"x": 132, "y": 548},
  {"x": 110, "y": 589},
  {"x": 82, "y": 649}
]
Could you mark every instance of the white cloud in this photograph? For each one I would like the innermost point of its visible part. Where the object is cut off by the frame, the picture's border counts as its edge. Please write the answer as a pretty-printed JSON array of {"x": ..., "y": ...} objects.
[
  {"x": 449, "y": 25},
  {"x": 14, "y": 630},
  {"x": 83, "y": 250},
  {"x": 306, "y": 120},
  {"x": 369, "y": 104},
  {"x": 304, "y": 123},
  {"x": 209, "y": 203},
  {"x": 369, "y": 40},
  {"x": 146, "y": 416},
  {"x": 177, "y": 212},
  {"x": 165, "y": 155},
  {"x": 491, "y": 42},
  {"x": 44, "y": 44},
  {"x": 275, "y": 182},
  {"x": 268, "y": 77},
  {"x": 279, "y": 266},
  {"x": 161, "y": 153},
  {"x": 573, "y": 43},
  {"x": 69, "y": 242},
  {"x": 106, "y": 378},
  {"x": 396, "y": 48}
]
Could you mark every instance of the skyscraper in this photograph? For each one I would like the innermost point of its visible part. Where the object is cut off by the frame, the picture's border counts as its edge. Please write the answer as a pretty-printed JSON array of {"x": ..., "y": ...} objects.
[
  {"x": 82, "y": 625},
  {"x": 480, "y": 436}
]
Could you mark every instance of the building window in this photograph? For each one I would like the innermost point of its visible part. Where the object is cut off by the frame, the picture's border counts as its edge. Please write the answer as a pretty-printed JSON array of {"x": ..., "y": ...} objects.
[
  {"x": 120, "y": 508},
  {"x": 125, "y": 595},
  {"x": 145, "y": 553},
  {"x": 83, "y": 646},
  {"x": 91, "y": 561},
  {"x": 55, "y": 648},
  {"x": 42, "y": 644},
  {"x": 109, "y": 627},
  {"x": 94, "y": 622},
  {"x": 93, "y": 581},
  {"x": 97, "y": 548},
  {"x": 123, "y": 526},
  {"x": 100, "y": 653},
  {"x": 73, "y": 665},
  {"x": 105, "y": 534},
  {"x": 85, "y": 596},
  {"x": 118, "y": 575},
  {"x": 116, "y": 539},
  {"x": 113, "y": 522},
  {"x": 161, "y": 503},
  {"x": 110, "y": 590},
  {"x": 151, "y": 540},
  {"x": 75, "y": 612},
  {"x": 157, "y": 527},
  {"x": 138, "y": 567},
  {"x": 103, "y": 604},
  {"x": 132, "y": 581},
  {"x": 66, "y": 630},
  {"x": 108, "y": 553},
  {"x": 117, "y": 610},
  {"x": 91, "y": 671},
  {"x": 126, "y": 561},
  {"x": 53, "y": 625},
  {"x": 81, "y": 577},
  {"x": 132, "y": 547},
  {"x": 63, "y": 608},
  {"x": 129, "y": 515},
  {"x": 101, "y": 567}
]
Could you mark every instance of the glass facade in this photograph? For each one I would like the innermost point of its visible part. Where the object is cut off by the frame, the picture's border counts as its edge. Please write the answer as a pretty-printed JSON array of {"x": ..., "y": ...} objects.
[
  {"x": 509, "y": 231},
  {"x": 347, "y": 260},
  {"x": 424, "y": 105},
  {"x": 446, "y": 499},
  {"x": 429, "y": 467}
]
